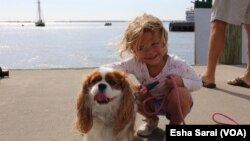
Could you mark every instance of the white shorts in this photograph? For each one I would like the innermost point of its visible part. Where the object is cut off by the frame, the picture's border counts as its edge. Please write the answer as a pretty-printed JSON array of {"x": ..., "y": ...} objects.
[{"x": 231, "y": 11}]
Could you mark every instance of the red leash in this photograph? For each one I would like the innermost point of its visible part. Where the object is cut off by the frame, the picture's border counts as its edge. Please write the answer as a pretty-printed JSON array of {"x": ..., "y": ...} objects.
[
  {"x": 163, "y": 96},
  {"x": 225, "y": 116}
]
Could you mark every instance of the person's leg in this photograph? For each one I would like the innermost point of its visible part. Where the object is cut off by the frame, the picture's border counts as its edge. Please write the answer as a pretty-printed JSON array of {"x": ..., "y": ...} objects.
[
  {"x": 246, "y": 76},
  {"x": 215, "y": 46},
  {"x": 151, "y": 122},
  {"x": 148, "y": 107},
  {"x": 178, "y": 108}
]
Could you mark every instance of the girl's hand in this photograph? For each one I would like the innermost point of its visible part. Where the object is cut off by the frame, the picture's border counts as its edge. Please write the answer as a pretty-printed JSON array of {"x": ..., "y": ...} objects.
[
  {"x": 142, "y": 89},
  {"x": 178, "y": 80}
]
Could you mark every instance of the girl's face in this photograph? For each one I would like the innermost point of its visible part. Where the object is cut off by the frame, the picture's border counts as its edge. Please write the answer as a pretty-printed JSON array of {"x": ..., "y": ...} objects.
[{"x": 151, "y": 50}]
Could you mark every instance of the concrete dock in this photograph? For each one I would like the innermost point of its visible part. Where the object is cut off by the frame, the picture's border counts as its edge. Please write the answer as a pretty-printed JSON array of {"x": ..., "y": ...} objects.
[{"x": 38, "y": 105}]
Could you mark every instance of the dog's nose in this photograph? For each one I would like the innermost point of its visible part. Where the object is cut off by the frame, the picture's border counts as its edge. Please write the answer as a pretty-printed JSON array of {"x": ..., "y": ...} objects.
[{"x": 102, "y": 87}]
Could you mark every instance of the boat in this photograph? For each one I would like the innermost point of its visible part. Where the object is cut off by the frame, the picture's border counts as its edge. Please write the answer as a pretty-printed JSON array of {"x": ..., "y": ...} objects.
[
  {"x": 190, "y": 15},
  {"x": 182, "y": 26},
  {"x": 108, "y": 24},
  {"x": 187, "y": 25},
  {"x": 40, "y": 21}
]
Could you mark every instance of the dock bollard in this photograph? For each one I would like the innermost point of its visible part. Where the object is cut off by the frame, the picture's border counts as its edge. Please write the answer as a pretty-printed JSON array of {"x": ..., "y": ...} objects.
[{"x": 4, "y": 73}]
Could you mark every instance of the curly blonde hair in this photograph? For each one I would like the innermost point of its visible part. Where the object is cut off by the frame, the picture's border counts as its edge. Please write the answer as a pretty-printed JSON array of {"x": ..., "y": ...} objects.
[{"x": 136, "y": 28}]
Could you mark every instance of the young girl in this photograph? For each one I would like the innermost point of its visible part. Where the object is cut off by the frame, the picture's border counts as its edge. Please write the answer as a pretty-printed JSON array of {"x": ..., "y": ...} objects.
[{"x": 146, "y": 39}]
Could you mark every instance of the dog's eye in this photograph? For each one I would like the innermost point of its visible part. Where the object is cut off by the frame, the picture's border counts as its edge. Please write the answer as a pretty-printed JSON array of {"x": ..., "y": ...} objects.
[
  {"x": 95, "y": 80},
  {"x": 111, "y": 82}
]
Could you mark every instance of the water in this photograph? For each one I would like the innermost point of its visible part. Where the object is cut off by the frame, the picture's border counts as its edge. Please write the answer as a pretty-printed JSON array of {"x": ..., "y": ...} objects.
[{"x": 73, "y": 45}]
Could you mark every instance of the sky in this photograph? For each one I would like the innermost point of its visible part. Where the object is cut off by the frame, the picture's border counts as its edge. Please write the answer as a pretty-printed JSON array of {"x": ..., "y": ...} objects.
[{"x": 91, "y": 10}]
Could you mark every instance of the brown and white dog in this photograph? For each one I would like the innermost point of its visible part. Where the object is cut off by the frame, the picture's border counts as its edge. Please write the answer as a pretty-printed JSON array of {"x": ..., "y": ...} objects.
[{"x": 106, "y": 108}]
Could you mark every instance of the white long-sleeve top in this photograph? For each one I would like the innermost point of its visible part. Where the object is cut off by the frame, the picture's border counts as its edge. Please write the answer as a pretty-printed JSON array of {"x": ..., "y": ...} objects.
[{"x": 174, "y": 65}]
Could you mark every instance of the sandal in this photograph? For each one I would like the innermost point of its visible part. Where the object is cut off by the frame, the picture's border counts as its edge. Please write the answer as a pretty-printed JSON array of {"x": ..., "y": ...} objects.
[
  {"x": 238, "y": 82},
  {"x": 208, "y": 85}
]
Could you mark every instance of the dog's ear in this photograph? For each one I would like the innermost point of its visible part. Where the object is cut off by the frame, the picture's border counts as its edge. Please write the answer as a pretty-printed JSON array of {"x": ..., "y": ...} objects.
[
  {"x": 126, "y": 111},
  {"x": 84, "y": 119}
]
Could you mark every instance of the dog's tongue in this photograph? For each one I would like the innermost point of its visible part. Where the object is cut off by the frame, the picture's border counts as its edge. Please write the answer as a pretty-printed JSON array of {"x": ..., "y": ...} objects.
[{"x": 100, "y": 97}]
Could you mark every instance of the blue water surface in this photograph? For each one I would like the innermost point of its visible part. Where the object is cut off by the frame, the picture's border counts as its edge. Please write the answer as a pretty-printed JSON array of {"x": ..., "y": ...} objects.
[{"x": 73, "y": 44}]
